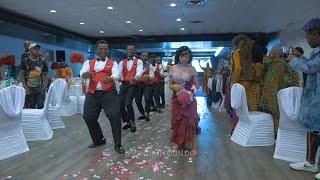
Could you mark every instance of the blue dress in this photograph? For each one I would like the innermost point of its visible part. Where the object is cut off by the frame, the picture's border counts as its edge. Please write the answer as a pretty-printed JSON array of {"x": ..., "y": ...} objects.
[{"x": 310, "y": 100}]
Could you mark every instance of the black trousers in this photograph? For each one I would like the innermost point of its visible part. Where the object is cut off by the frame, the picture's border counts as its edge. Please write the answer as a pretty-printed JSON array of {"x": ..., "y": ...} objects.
[
  {"x": 144, "y": 90},
  {"x": 36, "y": 98},
  {"x": 110, "y": 103},
  {"x": 127, "y": 94},
  {"x": 157, "y": 93},
  {"x": 162, "y": 95}
]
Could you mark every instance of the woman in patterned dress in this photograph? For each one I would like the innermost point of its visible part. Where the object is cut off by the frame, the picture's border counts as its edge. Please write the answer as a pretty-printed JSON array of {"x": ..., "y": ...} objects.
[
  {"x": 277, "y": 75},
  {"x": 241, "y": 72}
]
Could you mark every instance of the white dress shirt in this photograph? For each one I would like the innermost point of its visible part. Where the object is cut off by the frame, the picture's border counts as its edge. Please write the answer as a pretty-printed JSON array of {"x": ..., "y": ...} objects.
[
  {"x": 99, "y": 66},
  {"x": 155, "y": 68},
  {"x": 151, "y": 71},
  {"x": 129, "y": 66}
]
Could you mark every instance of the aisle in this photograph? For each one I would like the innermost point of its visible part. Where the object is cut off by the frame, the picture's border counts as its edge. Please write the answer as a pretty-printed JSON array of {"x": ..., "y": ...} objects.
[{"x": 66, "y": 156}]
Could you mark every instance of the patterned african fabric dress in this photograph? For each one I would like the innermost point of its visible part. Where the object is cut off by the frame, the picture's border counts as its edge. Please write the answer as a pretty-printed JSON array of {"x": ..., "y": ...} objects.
[{"x": 277, "y": 75}]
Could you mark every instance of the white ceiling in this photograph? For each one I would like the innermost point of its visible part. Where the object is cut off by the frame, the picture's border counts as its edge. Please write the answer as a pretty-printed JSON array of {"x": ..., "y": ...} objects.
[{"x": 155, "y": 17}]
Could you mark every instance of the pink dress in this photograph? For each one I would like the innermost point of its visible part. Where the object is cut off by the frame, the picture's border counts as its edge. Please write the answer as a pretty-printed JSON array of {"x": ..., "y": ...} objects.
[{"x": 184, "y": 119}]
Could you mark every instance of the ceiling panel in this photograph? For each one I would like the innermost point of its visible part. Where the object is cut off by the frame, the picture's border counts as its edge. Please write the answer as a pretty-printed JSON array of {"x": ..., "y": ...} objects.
[{"x": 155, "y": 17}]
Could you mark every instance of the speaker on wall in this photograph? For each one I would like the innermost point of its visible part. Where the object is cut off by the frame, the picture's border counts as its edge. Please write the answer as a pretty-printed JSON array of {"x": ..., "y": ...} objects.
[{"x": 60, "y": 56}]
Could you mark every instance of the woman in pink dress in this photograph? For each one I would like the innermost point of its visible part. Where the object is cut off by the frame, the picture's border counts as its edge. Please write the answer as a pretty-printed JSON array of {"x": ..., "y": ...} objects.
[{"x": 185, "y": 118}]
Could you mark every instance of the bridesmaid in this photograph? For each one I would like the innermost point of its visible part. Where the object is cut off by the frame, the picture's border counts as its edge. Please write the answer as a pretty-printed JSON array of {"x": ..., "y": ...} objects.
[{"x": 185, "y": 118}]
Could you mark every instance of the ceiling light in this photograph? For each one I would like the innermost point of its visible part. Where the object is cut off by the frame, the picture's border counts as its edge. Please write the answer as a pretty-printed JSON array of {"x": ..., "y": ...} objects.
[
  {"x": 110, "y": 7},
  {"x": 82, "y": 23},
  {"x": 128, "y": 22},
  {"x": 173, "y": 5},
  {"x": 101, "y": 32},
  {"x": 53, "y": 11},
  {"x": 182, "y": 29},
  {"x": 141, "y": 30},
  {"x": 178, "y": 19}
]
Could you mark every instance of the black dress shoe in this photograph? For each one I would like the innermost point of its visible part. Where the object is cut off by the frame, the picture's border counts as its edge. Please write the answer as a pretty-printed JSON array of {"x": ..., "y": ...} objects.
[
  {"x": 153, "y": 109},
  {"x": 127, "y": 126},
  {"x": 133, "y": 129},
  {"x": 147, "y": 118},
  {"x": 93, "y": 145},
  {"x": 142, "y": 117},
  {"x": 119, "y": 149}
]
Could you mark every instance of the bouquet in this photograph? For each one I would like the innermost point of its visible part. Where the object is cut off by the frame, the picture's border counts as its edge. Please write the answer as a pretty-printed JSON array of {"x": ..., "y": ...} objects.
[{"x": 184, "y": 97}]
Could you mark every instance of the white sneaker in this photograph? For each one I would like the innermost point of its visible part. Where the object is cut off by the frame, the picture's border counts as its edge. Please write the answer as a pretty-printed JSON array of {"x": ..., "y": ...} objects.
[
  {"x": 304, "y": 166},
  {"x": 317, "y": 176}
]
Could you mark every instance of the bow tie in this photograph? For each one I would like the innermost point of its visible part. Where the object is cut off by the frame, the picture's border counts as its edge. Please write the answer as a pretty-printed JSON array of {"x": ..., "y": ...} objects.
[{"x": 100, "y": 59}]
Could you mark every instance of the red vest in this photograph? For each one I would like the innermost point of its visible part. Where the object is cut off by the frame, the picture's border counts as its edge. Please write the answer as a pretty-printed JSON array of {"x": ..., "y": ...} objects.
[
  {"x": 146, "y": 72},
  {"x": 128, "y": 75},
  {"x": 97, "y": 77},
  {"x": 157, "y": 77}
]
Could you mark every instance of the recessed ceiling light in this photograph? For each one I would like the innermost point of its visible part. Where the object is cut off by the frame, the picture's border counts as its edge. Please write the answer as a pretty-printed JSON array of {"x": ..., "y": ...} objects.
[
  {"x": 178, "y": 19},
  {"x": 82, "y": 23},
  {"x": 182, "y": 29},
  {"x": 101, "y": 32},
  {"x": 128, "y": 22},
  {"x": 53, "y": 11},
  {"x": 141, "y": 30},
  {"x": 110, "y": 7},
  {"x": 173, "y": 5}
]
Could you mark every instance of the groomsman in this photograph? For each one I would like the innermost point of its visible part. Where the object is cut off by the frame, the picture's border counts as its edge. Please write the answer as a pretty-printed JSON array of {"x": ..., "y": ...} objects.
[
  {"x": 131, "y": 70},
  {"x": 145, "y": 88},
  {"x": 158, "y": 78},
  {"x": 101, "y": 73}
]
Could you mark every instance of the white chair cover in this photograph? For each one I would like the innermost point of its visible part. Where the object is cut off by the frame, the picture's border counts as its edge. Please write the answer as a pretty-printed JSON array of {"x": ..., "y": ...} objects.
[
  {"x": 10, "y": 102},
  {"x": 12, "y": 140},
  {"x": 81, "y": 103},
  {"x": 289, "y": 101},
  {"x": 291, "y": 141},
  {"x": 59, "y": 93},
  {"x": 70, "y": 104},
  {"x": 254, "y": 128},
  {"x": 35, "y": 125}
]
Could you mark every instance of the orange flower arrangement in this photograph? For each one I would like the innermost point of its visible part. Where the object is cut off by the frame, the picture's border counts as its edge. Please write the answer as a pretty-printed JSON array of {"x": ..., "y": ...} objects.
[
  {"x": 56, "y": 65},
  {"x": 9, "y": 60},
  {"x": 76, "y": 58}
]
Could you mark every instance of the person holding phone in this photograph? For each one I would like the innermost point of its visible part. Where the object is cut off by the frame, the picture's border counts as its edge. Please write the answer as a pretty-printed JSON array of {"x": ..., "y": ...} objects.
[{"x": 310, "y": 101}]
